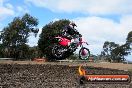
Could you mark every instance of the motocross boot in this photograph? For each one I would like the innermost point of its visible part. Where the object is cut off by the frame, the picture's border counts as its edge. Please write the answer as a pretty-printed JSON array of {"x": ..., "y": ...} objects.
[{"x": 72, "y": 47}]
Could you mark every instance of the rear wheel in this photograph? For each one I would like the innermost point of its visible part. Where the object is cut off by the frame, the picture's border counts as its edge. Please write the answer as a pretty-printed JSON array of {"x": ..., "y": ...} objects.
[
  {"x": 58, "y": 52},
  {"x": 84, "y": 53}
]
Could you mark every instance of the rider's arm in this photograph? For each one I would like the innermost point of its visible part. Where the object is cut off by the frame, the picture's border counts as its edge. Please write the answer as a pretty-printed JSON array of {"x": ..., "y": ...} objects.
[
  {"x": 63, "y": 32},
  {"x": 77, "y": 33}
]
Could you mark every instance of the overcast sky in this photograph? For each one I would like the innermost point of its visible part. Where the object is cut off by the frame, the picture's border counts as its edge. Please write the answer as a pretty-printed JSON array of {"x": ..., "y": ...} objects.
[{"x": 97, "y": 20}]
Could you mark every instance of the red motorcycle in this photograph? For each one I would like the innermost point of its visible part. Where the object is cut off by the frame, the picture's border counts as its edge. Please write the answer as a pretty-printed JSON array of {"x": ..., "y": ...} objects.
[{"x": 64, "y": 47}]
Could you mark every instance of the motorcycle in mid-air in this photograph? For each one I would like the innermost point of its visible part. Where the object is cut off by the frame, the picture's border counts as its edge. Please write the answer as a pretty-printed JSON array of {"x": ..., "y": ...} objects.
[{"x": 64, "y": 47}]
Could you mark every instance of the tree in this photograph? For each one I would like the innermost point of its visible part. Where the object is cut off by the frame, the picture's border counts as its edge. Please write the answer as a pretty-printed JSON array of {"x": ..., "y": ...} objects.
[
  {"x": 119, "y": 53},
  {"x": 15, "y": 35},
  {"x": 108, "y": 47},
  {"x": 129, "y": 37},
  {"x": 34, "y": 52},
  {"x": 115, "y": 52},
  {"x": 1, "y": 51},
  {"x": 129, "y": 41},
  {"x": 48, "y": 32}
]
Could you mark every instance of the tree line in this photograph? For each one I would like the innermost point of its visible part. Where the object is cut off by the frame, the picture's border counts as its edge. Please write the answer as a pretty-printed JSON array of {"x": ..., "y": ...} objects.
[
  {"x": 116, "y": 53},
  {"x": 14, "y": 39}
]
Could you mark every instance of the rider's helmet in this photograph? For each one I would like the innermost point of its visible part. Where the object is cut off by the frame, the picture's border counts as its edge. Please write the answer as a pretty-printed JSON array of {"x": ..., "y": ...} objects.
[{"x": 72, "y": 25}]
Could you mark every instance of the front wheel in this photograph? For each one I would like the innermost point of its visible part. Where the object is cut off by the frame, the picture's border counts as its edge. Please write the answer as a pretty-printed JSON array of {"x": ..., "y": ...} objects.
[{"x": 84, "y": 53}]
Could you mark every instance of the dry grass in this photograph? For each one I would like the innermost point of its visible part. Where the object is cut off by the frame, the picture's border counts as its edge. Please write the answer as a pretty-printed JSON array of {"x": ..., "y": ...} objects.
[{"x": 119, "y": 66}]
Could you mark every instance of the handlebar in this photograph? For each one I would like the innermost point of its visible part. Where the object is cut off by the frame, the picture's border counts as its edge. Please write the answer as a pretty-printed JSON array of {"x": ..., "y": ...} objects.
[{"x": 85, "y": 42}]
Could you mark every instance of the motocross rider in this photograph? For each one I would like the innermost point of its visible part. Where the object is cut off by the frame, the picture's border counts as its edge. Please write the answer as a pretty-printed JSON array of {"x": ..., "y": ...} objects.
[{"x": 71, "y": 33}]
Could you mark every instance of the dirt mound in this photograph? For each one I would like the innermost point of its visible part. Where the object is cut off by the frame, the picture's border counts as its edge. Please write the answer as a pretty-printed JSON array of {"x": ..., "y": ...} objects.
[{"x": 51, "y": 76}]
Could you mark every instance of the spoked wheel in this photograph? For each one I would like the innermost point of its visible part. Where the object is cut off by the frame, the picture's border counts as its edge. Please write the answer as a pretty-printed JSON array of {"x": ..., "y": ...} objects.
[
  {"x": 84, "y": 53},
  {"x": 58, "y": 51}
]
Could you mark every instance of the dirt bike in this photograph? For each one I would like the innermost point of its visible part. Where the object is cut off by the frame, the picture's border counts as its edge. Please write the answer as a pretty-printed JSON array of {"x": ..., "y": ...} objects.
[{"x": 64, "y": 47}]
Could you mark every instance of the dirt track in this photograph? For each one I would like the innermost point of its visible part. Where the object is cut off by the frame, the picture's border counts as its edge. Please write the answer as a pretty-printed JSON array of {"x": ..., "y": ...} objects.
[{"x": 39, "y": 75}]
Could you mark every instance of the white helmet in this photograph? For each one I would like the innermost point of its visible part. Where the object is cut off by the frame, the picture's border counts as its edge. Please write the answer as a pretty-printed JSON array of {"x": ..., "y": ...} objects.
[{"x": 72, "y": 24}]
